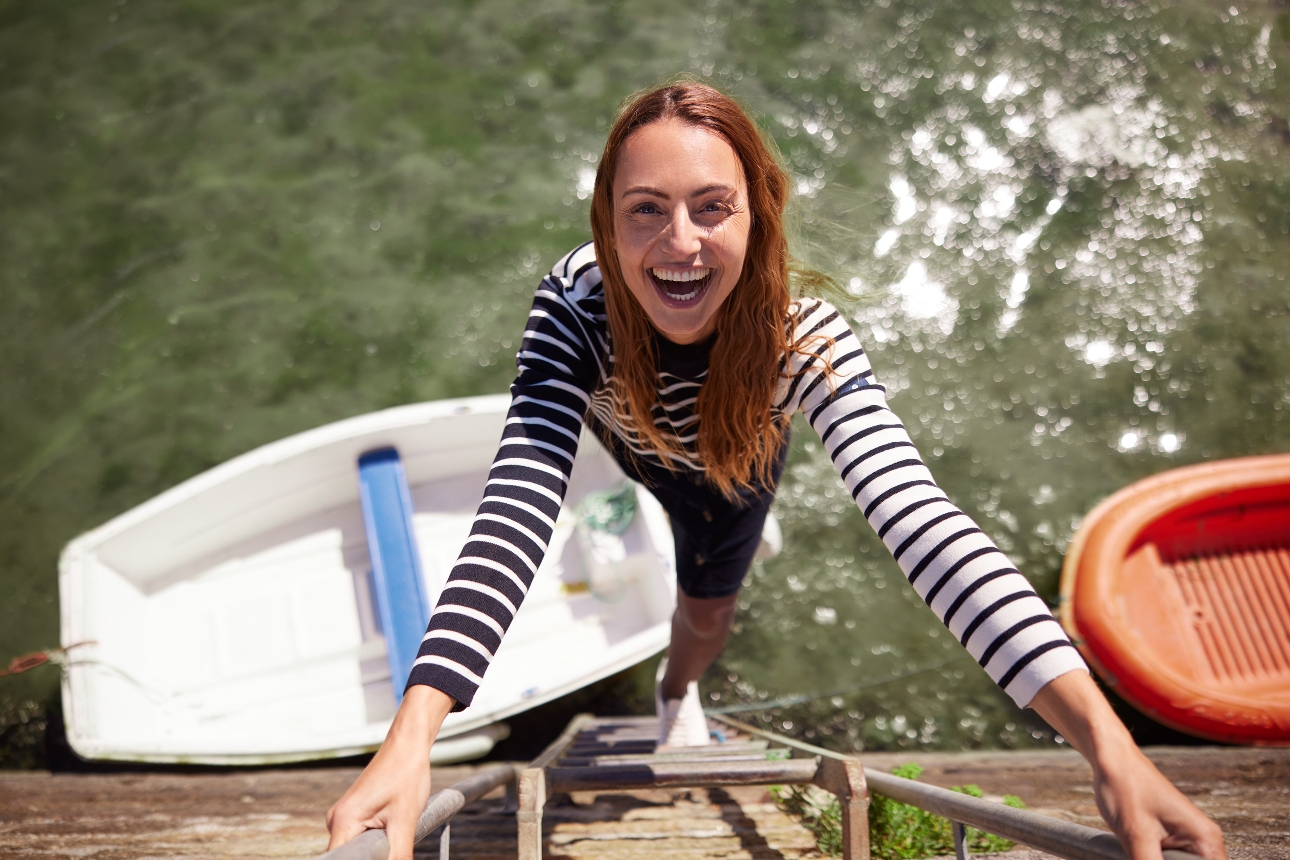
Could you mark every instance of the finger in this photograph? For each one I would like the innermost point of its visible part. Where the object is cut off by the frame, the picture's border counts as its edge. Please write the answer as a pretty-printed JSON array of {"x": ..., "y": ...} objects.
[
  {"x": 1203, "y": 837},
  {"x": 1211, "y": 843},
  {"x": 342, "y": 826},
  {"x": 402, "y": 835},
  {"x": 1144, "y": 844},
  {"x": 1189, "y": 829}
]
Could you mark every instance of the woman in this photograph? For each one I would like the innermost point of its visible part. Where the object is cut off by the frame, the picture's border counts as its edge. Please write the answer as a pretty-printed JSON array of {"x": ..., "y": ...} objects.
[{"x": 674, "y": 337}]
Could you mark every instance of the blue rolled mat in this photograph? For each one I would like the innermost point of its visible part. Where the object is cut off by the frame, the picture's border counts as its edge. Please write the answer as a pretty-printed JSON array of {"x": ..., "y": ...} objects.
[{"x": 396, "y": 564}]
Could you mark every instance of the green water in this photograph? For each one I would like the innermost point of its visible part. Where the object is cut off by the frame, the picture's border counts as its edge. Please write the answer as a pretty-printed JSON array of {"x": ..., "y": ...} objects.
[{"x": 1062, "y": 228}]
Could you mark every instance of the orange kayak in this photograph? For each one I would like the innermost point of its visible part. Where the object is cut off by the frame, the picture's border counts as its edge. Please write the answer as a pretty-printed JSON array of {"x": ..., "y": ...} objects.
[{"x": 1177, "y": 591}]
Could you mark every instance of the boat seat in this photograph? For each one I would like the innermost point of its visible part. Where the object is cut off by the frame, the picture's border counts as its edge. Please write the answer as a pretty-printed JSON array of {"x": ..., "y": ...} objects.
[{"x": 401, "y": 599}]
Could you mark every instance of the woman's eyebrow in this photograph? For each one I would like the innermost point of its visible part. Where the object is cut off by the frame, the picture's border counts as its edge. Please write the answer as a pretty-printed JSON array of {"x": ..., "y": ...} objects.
[
  {"x": 716, "y": 186},
  {"x": 655, "y": 192},
  {"x": 646, "y": 189}
]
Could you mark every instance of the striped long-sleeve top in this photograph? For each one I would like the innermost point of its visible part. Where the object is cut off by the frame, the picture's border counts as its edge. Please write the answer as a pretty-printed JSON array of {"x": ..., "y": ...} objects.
[{"x": 565, "y": 361}]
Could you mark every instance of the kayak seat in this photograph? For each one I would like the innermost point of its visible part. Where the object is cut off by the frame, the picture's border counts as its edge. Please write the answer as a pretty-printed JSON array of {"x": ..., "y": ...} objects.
[
  {"x": 402, "y": 605},
  {"x": 1228, "y": 558},
  {"x": 1238, "y": 602}
]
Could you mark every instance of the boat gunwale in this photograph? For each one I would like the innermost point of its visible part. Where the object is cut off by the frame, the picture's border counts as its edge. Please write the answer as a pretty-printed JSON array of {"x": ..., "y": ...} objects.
[{"x": 281, "y": 450}]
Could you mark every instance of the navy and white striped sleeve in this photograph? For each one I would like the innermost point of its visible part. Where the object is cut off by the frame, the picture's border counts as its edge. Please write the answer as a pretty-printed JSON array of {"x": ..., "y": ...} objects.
[
  {"x": 526, "y": 486},
  {"x": 972, "y": 586}
]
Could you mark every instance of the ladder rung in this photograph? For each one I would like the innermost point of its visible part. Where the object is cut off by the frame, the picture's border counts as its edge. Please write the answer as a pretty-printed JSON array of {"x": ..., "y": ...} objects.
[{"x": 637, "y": 776}]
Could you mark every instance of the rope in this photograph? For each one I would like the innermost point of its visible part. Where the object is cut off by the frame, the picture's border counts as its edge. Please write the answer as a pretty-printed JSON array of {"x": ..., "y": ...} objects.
[
  {"x": 802, "y": 698},
  {"x": 27, "y": 662},
  {"x": 610, "y": 510}
]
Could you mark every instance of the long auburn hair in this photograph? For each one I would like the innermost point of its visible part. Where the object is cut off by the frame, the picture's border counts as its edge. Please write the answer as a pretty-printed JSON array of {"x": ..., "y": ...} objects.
[{"x": 738, "y": 440}]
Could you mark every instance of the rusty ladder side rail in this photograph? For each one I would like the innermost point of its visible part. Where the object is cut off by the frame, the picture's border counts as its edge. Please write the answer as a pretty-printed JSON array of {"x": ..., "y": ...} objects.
[{"x": 531, "y": 783}]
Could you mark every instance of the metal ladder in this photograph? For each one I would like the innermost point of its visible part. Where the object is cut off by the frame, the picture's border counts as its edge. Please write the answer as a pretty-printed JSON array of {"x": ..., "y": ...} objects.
[{"x": 619, "y": 754}]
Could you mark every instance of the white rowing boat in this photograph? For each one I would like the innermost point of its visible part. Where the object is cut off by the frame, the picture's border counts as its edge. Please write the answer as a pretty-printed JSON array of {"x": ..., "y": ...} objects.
[{"x": 235, "y": 619}]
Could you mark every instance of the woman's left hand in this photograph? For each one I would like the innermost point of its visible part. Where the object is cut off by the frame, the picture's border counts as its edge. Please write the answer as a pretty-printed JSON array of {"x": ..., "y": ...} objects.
[{"x": 1146, "y": 812}]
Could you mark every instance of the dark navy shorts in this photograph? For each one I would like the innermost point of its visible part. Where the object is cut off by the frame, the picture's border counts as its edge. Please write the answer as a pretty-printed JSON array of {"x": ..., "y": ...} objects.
[{"x": 716, "y": 538}]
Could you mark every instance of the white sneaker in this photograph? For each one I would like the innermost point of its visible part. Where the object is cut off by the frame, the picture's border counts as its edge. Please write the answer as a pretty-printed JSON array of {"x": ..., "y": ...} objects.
[{"x": 681, "y": 722}]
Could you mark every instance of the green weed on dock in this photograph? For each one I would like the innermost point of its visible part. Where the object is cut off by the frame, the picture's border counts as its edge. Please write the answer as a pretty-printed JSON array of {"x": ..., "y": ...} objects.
[{"x": 897, "y": 831}]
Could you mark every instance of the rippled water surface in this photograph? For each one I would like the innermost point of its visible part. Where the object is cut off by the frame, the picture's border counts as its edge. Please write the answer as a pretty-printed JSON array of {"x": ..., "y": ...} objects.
[{"x": 1061, "y": 229}]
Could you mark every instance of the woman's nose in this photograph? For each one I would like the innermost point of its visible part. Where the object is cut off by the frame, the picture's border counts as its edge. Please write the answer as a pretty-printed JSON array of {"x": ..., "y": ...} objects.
[{"x": 682, "y": 234}]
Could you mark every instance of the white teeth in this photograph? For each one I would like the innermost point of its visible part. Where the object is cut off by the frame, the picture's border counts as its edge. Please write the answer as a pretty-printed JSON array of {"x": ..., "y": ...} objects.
[{"x": 681, "y": 275}]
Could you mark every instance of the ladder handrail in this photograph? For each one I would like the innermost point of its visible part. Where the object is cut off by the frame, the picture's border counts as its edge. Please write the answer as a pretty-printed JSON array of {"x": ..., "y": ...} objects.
[{"x": 1063, "y": 838}]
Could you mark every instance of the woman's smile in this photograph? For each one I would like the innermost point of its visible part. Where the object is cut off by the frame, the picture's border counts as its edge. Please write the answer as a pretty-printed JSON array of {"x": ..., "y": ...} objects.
[{"x": 680, "y": 287}]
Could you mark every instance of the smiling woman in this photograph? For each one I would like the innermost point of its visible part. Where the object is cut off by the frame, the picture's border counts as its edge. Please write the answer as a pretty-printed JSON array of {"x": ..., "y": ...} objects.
[
  {"x": 674, "y": 199},
  {"x": 674, "y": 337}
]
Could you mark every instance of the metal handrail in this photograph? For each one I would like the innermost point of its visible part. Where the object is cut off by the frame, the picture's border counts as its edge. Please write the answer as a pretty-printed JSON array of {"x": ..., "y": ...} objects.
[
  {"x": 442, "y": 806},
  {"x": 1064, "y": 839}
]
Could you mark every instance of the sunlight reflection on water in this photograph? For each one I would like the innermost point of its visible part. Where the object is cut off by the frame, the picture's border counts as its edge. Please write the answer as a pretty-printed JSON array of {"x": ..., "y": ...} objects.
[{"x": 1062, "y": 228}]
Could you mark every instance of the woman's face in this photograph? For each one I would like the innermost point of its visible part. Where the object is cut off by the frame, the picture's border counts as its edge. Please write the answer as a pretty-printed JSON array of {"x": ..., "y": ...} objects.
[{"x": 681, "y": 222}]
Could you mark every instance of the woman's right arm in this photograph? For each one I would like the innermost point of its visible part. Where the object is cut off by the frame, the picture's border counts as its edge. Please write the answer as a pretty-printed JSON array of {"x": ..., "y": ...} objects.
[
  {"x": 523, "y": 493},
  {"x": 393, "y": 789},
  {"x": 557, "y": 367}
]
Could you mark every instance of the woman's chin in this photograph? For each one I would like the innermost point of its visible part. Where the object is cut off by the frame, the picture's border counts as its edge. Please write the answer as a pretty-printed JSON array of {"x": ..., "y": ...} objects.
[
  {"x": 675, "y": 314},
  {"x": 685, "y": 326}
]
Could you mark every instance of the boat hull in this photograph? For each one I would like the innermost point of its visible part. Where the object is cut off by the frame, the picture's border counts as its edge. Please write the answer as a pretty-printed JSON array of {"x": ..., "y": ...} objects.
[
  {"x": 231, "y": 620},
  {"x": 1177, "y": 591}
]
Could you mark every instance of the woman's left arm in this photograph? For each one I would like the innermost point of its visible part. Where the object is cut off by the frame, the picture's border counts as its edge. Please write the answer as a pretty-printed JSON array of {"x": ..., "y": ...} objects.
[
  {"x": 1143, "y": 808},
  {"x": 985, "y": 602}
]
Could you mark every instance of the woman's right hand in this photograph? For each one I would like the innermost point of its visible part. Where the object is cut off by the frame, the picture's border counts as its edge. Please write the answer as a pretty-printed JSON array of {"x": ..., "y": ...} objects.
[{"x": 391, "y": 792}]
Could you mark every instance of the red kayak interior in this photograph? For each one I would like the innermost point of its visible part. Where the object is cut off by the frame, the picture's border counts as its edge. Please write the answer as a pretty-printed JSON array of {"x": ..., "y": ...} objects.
[{"x": 1177, "y": 590}]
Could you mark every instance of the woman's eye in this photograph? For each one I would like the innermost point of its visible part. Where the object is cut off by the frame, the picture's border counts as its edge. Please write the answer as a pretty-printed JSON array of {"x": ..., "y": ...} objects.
[{"x": 645, "y": 209}]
